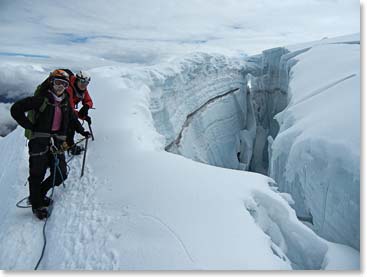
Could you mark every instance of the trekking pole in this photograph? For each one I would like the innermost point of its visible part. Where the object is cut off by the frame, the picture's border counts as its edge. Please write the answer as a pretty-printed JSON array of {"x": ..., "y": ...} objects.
[
  {"x": 91, "y": 132},
  {"x": 85, "y": 153}
]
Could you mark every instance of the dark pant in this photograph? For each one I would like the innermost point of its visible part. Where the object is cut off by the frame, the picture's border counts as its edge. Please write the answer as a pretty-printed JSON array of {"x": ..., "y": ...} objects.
[
  {"x": 70, "y": 136},
  {"x": 38, "y": 165}
]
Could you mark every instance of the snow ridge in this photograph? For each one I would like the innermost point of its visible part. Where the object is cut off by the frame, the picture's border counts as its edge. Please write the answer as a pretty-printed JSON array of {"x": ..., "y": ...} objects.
[{"x": 76, "y": 234}]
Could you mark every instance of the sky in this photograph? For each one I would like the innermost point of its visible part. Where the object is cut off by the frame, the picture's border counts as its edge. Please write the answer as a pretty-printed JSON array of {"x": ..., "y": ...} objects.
[{"x": 148, "y": 32}]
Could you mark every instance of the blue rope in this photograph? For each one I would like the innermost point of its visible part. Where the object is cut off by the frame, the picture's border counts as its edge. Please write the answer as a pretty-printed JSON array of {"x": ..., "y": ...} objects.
[
  {"x": 51, "y": 206},
  {"x": 25, "y": 206},
  {"x": 50, "y": 210},
  {"x": 67, "y": 164}
]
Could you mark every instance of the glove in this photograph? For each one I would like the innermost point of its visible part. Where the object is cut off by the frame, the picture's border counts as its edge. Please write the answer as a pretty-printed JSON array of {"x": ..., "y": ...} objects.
[
  {"x": 88, "y": 119},
  {"x": 86, "y": 134},
  {"x": 83, "y": 111}
]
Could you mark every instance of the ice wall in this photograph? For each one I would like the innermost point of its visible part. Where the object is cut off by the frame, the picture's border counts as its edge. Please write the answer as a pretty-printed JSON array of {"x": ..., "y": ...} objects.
[
  {"x": 220, "y": 110},
  {"x": 203, "y": 109},
  {"x": 269, "y": 96},
  {"x": 315, "y": 156},
  {"x": 291, "y": 113}
]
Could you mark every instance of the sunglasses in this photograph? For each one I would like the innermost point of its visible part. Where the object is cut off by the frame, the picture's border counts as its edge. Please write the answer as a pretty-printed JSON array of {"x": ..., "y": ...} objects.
[
  {"x": 84, "y": 81},
  {"x": 60, "y": 82}
]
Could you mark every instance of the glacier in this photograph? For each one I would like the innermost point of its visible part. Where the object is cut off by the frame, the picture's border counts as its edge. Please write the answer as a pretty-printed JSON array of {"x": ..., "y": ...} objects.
[
  {"x": 255, "y": 114},
  {"x": 141, "y": 206}
]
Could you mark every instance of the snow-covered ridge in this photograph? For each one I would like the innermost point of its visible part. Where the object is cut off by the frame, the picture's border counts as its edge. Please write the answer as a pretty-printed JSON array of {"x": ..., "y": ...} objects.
[{"x": 98, "y": 223}]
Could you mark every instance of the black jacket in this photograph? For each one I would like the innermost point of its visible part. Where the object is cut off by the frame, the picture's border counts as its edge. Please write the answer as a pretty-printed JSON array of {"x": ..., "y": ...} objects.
[{"x": 44, "y": 120}]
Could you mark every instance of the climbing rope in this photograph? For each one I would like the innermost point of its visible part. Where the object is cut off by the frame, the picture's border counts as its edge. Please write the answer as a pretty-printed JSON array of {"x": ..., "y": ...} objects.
[
  {"x": 55, "y": 151},
  {"x": 28, "y": 205},
  {"x": 57, "y": 167},
  {"x": 19, "y": 204}
]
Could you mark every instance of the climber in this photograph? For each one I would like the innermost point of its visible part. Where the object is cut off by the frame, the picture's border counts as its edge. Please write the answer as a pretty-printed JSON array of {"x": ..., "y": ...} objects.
[
  {"x": 49, "y": 117},
  {"x": 78, "y": 92}
]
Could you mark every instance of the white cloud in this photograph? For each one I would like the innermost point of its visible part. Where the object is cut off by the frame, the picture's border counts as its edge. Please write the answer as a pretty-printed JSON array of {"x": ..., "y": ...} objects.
[
  {"x": 19, "y": 80},
  {"x": 90, "y": 29},
  {"x": 7, "y": 123}
]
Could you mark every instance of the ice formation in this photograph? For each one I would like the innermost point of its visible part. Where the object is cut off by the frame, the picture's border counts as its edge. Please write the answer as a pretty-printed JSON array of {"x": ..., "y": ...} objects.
[{"x": 291, "y": 113}]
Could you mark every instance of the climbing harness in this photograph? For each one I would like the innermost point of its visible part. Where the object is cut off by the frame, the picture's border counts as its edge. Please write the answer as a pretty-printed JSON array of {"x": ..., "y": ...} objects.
[
  {"x": 46, "y": 135},
  {"x": 27, "y": 204},
  {"x": 40, "y": 153}
]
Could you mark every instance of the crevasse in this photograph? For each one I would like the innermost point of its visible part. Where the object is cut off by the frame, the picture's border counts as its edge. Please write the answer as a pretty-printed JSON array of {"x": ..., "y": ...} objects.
[
  {"x": 223, "y": 112},
  {"x": 220, "y": 111}
]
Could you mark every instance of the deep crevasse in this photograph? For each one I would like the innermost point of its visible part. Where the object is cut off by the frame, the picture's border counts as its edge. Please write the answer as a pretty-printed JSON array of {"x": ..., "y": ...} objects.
[
  {"x": 203, "y": 111},
  {"x": 223, "y": 132}
]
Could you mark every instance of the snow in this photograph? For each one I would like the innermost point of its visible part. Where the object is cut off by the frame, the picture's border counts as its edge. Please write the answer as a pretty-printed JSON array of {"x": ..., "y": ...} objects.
[
  {"x": 343, "y": 258},
  {"x": 140, "y": 207}
]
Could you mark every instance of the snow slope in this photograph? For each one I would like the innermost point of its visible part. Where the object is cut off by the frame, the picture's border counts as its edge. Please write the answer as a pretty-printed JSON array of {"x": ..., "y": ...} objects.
[{"x": 139, "y": 207}]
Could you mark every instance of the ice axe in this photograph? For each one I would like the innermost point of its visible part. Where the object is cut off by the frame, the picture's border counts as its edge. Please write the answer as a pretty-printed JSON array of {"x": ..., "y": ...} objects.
[
  {"x": 90, "y": 130},
  {"x": 84, "y": 156},
  {"x": 90, "y": 127}
]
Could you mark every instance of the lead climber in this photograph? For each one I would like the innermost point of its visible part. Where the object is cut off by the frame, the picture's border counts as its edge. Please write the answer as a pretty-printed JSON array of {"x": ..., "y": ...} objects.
[{"x": 51, "y": 117}]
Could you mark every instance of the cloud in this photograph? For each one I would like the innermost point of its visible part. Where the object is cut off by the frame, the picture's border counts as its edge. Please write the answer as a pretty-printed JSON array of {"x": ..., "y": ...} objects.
[
  {"x": 73, "y": 24},
  {"x": 7, "y": 123},
  {"x": 19, "y": 80}
]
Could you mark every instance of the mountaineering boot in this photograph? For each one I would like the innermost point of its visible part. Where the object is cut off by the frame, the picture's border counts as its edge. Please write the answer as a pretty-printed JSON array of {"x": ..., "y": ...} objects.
[
  {"x": 47, "y": 201},
  {"x": 41, "y": 212},
  {"x": 76, "y": 150}
]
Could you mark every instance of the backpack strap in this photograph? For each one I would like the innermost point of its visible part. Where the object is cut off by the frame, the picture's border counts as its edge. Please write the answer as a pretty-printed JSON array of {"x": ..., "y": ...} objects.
[
  {"x": 33, "y": 116},
  {"x": 44, "y": 104}
]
